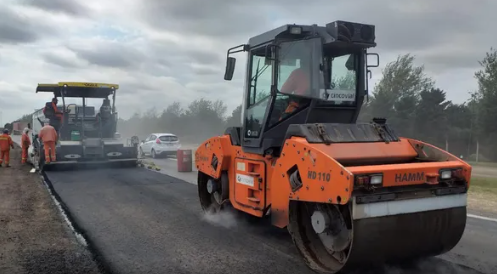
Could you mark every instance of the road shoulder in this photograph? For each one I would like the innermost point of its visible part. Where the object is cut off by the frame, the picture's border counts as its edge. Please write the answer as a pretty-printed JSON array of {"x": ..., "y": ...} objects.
[{"x": 34, "y": 237}]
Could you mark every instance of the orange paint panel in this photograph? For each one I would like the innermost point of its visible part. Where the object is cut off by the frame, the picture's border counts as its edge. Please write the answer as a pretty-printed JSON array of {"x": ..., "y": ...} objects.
[
  {"x": 349, "y": 151},
  {"x": 249, "y": 184},
  {"x": 323, "y": 179},
  {"x": 219, "y": 146}
]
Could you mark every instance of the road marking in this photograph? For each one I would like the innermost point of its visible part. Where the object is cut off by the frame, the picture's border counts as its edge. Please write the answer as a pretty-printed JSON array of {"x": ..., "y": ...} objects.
[
  {"x": 173, "y": 159},
  {"x": 482, "y": 218}
]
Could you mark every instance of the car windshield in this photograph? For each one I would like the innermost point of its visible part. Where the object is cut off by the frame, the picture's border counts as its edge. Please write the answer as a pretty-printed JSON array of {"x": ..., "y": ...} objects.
[{"x": 168, "y": 138}]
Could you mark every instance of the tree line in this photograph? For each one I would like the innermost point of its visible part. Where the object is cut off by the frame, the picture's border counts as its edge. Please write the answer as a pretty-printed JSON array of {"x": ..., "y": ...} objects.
[{"x": 405, "y": 95}]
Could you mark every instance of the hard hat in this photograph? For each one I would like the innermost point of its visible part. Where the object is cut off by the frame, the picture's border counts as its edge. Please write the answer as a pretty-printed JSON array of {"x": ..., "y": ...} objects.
[
  {"x": 26, "y": 130},
  {"x": 6, "y": 131}
]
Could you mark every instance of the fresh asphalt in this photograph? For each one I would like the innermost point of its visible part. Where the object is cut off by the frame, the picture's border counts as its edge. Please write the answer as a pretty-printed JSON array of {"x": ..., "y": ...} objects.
[{"x": 147, "y": 222}]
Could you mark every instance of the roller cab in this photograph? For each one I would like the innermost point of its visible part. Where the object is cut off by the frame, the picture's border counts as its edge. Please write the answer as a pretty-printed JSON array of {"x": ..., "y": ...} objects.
[{"x": 350, "y": 194}]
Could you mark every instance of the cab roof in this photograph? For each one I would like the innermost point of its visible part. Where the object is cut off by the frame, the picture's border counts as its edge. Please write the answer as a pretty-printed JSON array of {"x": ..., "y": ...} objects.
[
  {"x": 336, "y": 31},
  {"x": 79, "y": 89}
]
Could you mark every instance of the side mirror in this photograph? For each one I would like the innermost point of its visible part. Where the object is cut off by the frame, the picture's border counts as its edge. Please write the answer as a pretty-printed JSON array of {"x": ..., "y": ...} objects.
[{"x": 230, "y": 68}]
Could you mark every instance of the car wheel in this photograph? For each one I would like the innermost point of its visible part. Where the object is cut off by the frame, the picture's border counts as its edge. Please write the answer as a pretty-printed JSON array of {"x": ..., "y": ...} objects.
[{"x": 153, "y": 154}]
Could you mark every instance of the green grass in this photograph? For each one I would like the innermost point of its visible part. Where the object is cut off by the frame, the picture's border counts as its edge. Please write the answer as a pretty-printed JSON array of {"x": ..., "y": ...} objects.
[
  {"x": 486, "y": 164},
  {"x": 481, "y": 184}
]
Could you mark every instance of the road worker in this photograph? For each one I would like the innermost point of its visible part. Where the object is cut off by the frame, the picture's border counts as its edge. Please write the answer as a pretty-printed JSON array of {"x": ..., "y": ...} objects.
[
  {"x": 25, "y": 143},
  {"x": 54, "y": 115},
  {"x": 48, "y": 136},
  {"x": 5, "y": 144}
]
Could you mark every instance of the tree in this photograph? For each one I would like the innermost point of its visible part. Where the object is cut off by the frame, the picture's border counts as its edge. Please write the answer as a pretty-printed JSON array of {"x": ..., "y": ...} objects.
[
  {"x": 484, "y": 102},
  {"x": 396, "y": 95},
  {"x": 236, "y": 117},
  {"x": 430, "y": 114}
]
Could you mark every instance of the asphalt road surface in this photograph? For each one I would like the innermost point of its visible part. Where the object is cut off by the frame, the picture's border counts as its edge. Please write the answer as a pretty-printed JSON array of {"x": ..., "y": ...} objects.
[{"x": 148, "y": 222}]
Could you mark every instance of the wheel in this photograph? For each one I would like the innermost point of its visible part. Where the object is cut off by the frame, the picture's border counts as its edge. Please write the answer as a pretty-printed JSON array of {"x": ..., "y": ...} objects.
[
  {"x": 322, "y": 234},
  {"x": 153, "y": 154},
  {"x": 213, "y": 194}
]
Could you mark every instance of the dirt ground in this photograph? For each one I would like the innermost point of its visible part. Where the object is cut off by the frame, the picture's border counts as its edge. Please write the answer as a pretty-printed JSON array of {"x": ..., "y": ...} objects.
[
  {"x": 483, "y": 201},
  {"x": 34, "y": 238}
]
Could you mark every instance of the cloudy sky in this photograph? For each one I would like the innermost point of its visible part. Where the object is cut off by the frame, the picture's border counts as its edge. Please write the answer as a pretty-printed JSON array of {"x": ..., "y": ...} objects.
[{"x": 161, "y": 51}]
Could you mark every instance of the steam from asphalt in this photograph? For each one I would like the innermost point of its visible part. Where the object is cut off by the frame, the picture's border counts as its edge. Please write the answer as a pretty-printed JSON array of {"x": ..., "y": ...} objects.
[{"x": 226, "y": 219}]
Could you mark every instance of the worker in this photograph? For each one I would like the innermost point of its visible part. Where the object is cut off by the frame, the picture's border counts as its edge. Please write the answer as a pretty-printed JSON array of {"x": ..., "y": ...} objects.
[
  {"x": 103, "y": 117},
  {"x": 6, "y": 144},
  {"x": 298, "y": 83},
  {"x": 53, "y": 114},
  {"x": 25, "y": 143},
  {"x": 48, "y": 135}
]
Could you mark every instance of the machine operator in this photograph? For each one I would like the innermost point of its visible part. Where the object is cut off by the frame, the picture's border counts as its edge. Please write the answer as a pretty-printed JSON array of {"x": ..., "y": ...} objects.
[
  {"x": 53, "y": 114},
  {"x": 104, "y": 115},
  {"x": 297, "y": 83}
]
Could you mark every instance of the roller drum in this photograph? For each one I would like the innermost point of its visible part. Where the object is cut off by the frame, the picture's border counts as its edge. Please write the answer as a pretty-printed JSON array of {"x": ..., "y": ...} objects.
[
  {"x": 375, "y": 241},
  {"x": 406, "y": 236}
]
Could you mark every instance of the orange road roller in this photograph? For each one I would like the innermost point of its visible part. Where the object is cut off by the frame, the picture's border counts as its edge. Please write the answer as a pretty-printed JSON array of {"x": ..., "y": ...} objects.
[{"x": 350, "y": 194}]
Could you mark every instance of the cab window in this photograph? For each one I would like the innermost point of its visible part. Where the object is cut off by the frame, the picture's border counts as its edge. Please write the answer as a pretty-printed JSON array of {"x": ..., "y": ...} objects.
[{"x": 259, "y": 93}]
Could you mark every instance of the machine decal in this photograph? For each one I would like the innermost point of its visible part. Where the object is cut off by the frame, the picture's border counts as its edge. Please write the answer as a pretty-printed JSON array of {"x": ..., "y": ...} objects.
[
  {"x": 409, "y": 177},
  {"x": 321, "y": 176},
  {"x": 114, "y": 154},
  {"x": 245, "y": 180},
  {"x": 240, "y": 166},
  {"x": 342, "y": 95}
]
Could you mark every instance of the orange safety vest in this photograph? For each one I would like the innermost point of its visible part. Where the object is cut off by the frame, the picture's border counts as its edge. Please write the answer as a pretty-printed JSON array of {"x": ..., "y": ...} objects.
[
  {"x": 25, "y": 142},
  {"x": 5, "y": 142}
]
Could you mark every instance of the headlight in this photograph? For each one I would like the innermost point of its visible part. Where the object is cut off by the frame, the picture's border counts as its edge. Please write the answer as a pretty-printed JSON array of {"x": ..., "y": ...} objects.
[
  {"x": 376, "y": 179},
  {"x": 368, "y": 179},
  {"x": 295, "y": 30},
  {"x": 445, "y": 174}
]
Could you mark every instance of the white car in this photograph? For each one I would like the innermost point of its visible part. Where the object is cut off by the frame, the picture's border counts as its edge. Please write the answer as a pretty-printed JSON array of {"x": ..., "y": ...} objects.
[{"x": 160, "y": 144}]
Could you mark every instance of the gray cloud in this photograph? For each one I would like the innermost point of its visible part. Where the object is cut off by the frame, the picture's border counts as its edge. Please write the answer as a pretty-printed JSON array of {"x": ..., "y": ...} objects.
[
  {"x": 204, "y": 56},
  {"x": 443, "y": 33},
  {"x": 17, "y": 29},
  {"x": 216, "y": 18},
  {"x": 207, "y": 71},
  {"x": 71, "y": 7},
  {"x": 112, "y": 55},
  {"x": 58, "y": 60}
]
